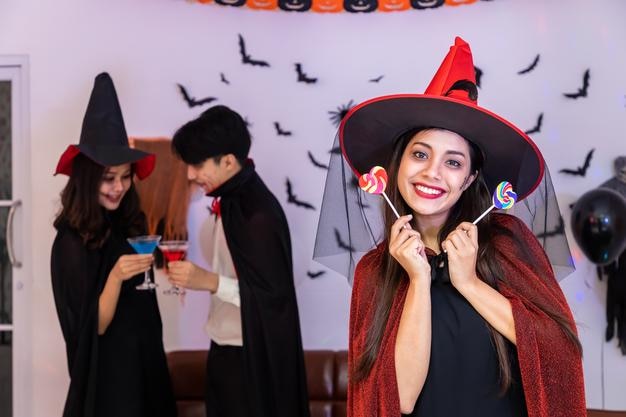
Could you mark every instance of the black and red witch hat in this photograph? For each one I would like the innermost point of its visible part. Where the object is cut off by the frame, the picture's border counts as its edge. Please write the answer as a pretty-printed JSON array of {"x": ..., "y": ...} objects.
[
  {"x": 103, "y": 138},
  {"x": 368, "y": 132}
]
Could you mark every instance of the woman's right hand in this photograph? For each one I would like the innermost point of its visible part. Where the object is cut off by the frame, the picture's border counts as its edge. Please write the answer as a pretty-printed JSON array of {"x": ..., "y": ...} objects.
[
  {"x": 127, "y": 266},
  {"x": 407, "y": 247}
]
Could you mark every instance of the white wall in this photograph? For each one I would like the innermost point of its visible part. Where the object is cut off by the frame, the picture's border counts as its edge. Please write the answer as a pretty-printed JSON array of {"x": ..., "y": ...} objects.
[{"x": 149, "y": 46}]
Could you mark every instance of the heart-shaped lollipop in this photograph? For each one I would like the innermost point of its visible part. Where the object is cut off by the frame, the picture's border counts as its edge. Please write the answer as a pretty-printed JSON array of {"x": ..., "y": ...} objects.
[{"x": 375, "y": 182}]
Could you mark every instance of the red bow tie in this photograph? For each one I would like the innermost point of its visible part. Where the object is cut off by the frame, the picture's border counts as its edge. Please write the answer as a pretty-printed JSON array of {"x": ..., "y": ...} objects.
[{"x": 215, "y": 207}]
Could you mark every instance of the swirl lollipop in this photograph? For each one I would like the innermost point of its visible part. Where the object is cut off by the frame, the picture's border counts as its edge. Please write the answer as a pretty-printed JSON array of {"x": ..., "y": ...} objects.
[
  {"x": 503, "y": 198},
  {"x": 375, "y": 182}
]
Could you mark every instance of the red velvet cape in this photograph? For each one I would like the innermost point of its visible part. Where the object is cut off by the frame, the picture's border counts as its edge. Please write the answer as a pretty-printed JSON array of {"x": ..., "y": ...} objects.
[{"x": 550, "y": 365}]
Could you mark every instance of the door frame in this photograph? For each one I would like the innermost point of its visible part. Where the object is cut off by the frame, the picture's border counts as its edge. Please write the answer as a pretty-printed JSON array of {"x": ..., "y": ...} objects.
[{"x": 16, "y": 67}]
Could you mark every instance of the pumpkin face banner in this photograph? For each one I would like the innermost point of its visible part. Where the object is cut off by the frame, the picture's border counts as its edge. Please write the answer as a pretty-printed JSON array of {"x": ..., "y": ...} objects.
[
  {"x": 337, "y": 6},
  {"x": 295, "y": 5},
  {"x": 393, "y": 5},
  {"x": 262, "y": 4},
  {"x": 360, "y": 6},
  {"x": 426, "y": 4},
  {"x": 327, "y": 6}
]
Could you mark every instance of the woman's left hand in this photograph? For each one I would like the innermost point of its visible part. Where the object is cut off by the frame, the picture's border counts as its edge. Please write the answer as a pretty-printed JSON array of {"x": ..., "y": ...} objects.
[{"x": 462, "y": 248}]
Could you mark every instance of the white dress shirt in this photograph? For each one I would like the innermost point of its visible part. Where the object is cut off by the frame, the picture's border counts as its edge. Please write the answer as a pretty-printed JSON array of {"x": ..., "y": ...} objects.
[{"x": 224, "y": 323}]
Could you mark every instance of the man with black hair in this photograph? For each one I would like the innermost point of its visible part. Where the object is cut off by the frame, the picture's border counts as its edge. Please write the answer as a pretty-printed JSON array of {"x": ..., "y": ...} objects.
[{"x": 255, "y": 366}]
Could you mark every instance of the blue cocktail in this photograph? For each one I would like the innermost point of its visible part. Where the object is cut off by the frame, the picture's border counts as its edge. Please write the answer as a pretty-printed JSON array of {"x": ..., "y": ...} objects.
[{"x": 145, "y": 245}]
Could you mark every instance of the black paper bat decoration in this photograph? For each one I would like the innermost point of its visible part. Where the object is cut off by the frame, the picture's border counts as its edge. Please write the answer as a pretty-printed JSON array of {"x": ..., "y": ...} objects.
[
  {"x": 280, "y": 131},
  {"x": 537, "y": 127},
  {"x": 530, "y": 67},
  {"x": 337, "y": 116},
  {"x": 335, "y": 151},
  {"x": 314, "y": 275},
  {"x": 581, "y": 171},
  {"x": 479, "y": 75},
  {"x": 341, "y": 243},
  {"x": 246, "y": 58},
  {"x": 302, "y": 77},
  {"x": 223, "y": 78},
  {"x": 191, "y": 101},
  {"x": 582, "y": 92},
  {"x": 377, "y": 79},
  {"x": 315, "y": 162},
  {"x": 292, "y": 199},
  {"x": 558, "y": 230}
]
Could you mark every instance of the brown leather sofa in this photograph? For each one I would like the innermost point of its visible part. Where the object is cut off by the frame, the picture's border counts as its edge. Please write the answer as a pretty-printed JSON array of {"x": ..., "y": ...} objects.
[{"x": 327, "y": 379}]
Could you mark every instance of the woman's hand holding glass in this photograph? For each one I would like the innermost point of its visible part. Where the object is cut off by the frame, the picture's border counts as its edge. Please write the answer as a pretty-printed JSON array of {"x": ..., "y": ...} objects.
[{"x": 127, "y": 266}]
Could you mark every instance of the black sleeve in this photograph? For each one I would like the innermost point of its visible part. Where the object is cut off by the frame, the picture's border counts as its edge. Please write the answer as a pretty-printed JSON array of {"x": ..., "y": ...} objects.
[{"x": 75, "y": 289}]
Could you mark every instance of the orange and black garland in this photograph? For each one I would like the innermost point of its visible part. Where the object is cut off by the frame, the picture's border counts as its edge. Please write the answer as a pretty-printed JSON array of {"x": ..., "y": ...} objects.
[{"x": 337, "y": 6}]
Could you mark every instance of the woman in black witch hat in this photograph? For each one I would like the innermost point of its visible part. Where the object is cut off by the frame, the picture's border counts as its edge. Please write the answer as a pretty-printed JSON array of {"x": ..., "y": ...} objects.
[
  {"x": 448, "y": 318},
  {"x": 112, "y": 331}
]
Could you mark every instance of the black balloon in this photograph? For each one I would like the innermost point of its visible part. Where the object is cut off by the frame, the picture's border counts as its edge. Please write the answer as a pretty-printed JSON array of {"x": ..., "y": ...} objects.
[{"x": 599, "y": 225}]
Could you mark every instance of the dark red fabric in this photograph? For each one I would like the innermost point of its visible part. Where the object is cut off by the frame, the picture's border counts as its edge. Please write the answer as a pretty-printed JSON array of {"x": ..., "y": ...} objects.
[
  {"x": 550, "y": 365},
  {"x": 143, "y": 167}
]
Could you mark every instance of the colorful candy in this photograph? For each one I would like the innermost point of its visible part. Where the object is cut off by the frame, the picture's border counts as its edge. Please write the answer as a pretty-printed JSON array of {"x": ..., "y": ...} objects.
[
  {"x": 375, "y": 181},
  {"x": 504, "y": 197}
]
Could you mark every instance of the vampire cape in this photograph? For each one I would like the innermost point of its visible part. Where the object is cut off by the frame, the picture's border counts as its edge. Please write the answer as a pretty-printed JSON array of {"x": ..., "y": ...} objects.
[
  {"x": 124, "y": 371},
  {"x": 258, "y": 239},
  {"x": 550, "y": 365}
]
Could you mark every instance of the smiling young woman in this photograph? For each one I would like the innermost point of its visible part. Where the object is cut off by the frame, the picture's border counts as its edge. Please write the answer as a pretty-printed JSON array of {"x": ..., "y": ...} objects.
[{"x": 448, "y": 318}]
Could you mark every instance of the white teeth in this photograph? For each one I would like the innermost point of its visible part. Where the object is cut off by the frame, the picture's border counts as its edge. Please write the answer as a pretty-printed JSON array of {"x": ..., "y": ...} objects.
[{"x": 428, "y": 190}]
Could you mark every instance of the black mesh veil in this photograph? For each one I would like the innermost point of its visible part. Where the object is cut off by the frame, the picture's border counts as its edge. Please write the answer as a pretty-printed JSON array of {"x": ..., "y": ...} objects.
[{"x": 351, "y": 221}]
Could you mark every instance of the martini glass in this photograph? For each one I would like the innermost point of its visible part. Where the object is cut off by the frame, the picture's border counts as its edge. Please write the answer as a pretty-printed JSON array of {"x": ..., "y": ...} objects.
[
  {"x": 173, "y": 250},
  {"x": 145, "y": 245}
]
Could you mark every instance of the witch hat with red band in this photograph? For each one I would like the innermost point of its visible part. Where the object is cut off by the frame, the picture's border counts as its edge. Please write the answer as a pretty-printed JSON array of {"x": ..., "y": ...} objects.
[
  {"x": 103, "y": 138},
  {"x": 368, "y": 132}
]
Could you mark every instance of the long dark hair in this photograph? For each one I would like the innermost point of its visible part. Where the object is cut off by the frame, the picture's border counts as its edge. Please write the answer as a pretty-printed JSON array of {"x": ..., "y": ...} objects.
[
  {"x": 81, "y": 211},
  {"x": 470, "y": 205}
]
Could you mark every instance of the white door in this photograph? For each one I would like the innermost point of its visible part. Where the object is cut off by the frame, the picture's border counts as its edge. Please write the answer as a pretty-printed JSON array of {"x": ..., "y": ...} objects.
[{"x": 15, "y": 239}]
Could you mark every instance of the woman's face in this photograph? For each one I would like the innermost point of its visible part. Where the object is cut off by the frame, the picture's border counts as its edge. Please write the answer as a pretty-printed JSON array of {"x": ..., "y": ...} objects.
[
  {"x": 434, "y": 171},
  {"x": 115, "y": 183}
]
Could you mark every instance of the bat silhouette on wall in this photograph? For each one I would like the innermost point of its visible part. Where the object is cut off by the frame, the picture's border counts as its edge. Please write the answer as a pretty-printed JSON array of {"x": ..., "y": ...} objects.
[
  {"x": 335, "y": 151},
  {"x": 530, "y": 67},
  {"x": 191, "y": 101},
  {"x": 337, "y": 116},
  {"x": 558, "y": 230},
  {"x": 223, "y": 78},
  {"x": 377, "y": 79},
  {"x": 537, "y": 127},
  {"x": 315, "y": 162},
  {"x": 580, "y": 171},
  {"x": 292, "y": 199},
  {"x": 280, "y": 131},
  {"x": 479, "y": 75},
  {"x": 341, "y": 243},
  {"x": 302, "y": 77},
  {"x": 246, "y": 58},
  {"x": 582, "y": 92},
  {"x": 316, "y": 274}
]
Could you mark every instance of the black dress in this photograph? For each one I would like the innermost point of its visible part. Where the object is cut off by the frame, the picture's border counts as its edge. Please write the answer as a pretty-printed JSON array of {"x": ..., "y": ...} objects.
[
  {"x": 123, "y": 372},
  {"x": 463, "y": 375}
]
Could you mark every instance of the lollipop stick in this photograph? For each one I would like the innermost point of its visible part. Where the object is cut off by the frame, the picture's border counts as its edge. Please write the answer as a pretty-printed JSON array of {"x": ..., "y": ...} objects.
[
  {"x": 391, "y": 205},
  {"x": 484, "y": 214}
]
